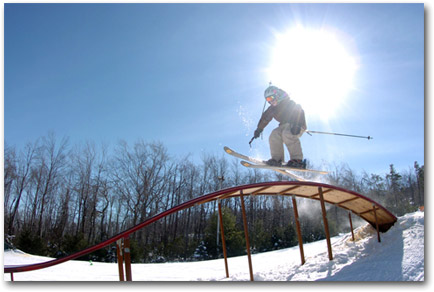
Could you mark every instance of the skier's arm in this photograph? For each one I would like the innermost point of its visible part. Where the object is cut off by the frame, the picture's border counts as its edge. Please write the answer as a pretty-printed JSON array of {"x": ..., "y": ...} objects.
[{"x": 266, "y": 118}]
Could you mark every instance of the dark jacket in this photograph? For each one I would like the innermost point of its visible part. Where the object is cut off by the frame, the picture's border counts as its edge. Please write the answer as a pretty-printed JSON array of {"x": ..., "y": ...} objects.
[{"x": 286, "y": 111}]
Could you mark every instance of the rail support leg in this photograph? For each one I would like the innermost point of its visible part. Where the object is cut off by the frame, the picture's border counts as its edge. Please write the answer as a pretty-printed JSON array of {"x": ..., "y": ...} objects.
[
  {"x": 326, "y": 224},
  {"x": 376, "y": 223},
  {"x": 351, "y": 225},
  {"x": 120, "y": 257},
  {"x": 222, "y": 232},
  {"x": 246, "y": 233},
  {"x": 127, "y": 258},
  {"x": 297, "y": 224}
]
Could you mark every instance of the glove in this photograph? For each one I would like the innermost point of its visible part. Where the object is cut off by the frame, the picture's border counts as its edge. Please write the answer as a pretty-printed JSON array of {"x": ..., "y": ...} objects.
[
  {"x": 257, "y": 133},
  {"x": 295, "y": 130}
]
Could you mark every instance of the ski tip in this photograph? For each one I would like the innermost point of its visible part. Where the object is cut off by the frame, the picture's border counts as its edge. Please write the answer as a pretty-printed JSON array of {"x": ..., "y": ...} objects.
[
  {"x": 228, "y": 150},
  {"x": 245, "y": 163}
]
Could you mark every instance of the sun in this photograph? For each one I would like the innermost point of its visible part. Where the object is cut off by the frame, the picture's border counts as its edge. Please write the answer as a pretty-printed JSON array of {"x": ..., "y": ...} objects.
[{"x": 314, "y": 67}]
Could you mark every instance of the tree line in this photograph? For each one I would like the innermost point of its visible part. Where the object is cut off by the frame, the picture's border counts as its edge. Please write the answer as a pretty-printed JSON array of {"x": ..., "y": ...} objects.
[{"x": 59, "y": 199}]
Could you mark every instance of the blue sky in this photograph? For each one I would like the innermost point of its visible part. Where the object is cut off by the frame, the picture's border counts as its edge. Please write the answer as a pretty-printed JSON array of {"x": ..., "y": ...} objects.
[{"x": 193, "y": 75}]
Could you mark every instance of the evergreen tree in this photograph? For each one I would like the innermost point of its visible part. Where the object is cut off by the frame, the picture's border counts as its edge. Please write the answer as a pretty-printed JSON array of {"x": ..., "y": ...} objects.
[
  {"x": 234, "y": 235},
  {"x": 420, "y": 172}
]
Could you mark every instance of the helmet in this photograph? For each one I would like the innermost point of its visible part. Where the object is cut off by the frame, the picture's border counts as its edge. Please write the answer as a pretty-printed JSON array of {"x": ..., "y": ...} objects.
[{"x": 275, "y": 93}]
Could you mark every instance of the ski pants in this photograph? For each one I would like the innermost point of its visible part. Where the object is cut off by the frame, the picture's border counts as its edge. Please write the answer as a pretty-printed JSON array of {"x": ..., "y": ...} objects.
[{"x": 282, "y": 135}]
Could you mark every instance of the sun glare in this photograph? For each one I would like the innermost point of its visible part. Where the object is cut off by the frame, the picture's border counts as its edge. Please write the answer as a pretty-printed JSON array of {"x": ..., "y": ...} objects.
[{"x": 314, "y": 68}]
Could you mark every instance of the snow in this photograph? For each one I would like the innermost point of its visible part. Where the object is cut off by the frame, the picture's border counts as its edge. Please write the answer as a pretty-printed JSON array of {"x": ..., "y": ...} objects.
[{"x": 398, "y": 257}]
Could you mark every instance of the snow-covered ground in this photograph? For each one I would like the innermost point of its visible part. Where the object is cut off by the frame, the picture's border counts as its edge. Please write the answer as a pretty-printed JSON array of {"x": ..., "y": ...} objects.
[{"x": 399, "y": 257}]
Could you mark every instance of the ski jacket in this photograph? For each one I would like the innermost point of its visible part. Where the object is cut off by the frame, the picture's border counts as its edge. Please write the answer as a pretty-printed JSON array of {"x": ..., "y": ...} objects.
[{"x": 286, "y": 111}]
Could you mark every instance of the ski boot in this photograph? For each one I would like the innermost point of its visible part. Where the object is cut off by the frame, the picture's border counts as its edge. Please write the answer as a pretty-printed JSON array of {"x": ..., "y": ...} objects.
[
  {"x": 297, "y": 163},
  {"x": 273, "y": 162}
]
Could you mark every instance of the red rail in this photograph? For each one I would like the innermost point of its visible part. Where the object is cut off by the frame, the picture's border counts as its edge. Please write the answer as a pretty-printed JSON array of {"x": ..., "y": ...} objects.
[{"x": 226, "y": 193}]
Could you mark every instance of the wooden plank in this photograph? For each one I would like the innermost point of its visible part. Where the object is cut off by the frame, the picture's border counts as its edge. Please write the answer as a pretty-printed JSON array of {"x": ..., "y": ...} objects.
[
  {"x": 288, "y": 190},
  {"x": 320, "y": 193}
]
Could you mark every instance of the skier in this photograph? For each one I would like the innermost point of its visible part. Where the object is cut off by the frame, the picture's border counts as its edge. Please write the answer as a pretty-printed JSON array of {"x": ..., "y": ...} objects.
[{"x": 292, "y": 126}]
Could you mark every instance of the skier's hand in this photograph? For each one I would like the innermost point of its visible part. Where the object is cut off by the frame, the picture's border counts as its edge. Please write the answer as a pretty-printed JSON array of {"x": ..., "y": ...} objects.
[
  {"x": 295, "y": 130},
  {"x": 257, "y": 133}
]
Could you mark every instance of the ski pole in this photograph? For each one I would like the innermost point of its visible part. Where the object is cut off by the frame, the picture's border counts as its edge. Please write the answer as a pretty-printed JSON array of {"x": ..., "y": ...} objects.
[
  {"x": 250, "y": 143},
  {"x": 337, "y": 134}
]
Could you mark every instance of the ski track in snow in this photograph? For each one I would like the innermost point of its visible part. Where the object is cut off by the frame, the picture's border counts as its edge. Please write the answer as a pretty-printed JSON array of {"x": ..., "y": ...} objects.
[{"x": 399, "y": 257}]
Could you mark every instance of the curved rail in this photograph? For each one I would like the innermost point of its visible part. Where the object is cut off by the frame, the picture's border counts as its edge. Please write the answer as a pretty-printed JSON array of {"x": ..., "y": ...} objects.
[{"x": 360, "y": 205}]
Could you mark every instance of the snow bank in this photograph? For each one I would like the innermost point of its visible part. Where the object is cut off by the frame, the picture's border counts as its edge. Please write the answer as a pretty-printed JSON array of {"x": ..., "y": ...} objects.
[{"x": 399, "y": 257}]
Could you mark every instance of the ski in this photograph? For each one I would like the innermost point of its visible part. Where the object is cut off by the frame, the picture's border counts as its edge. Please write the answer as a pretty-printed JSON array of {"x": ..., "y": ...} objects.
[
  {"x": 260, "y": 163},
  {"x": 248, "y": 164},
  {"x": 241, "y": 156}
]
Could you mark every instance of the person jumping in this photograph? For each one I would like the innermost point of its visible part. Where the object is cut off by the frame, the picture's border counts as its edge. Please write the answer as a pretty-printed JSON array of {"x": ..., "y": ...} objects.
[{"x": 292, "y": 126}]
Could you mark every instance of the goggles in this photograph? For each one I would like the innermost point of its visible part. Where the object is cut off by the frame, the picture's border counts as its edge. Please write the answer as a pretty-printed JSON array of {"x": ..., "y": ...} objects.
[{"x": 270, "y": 98}]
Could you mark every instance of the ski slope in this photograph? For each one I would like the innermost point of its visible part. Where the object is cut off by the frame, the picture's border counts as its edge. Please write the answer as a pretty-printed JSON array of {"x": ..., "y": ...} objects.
[{"x": 399, "y": 257}]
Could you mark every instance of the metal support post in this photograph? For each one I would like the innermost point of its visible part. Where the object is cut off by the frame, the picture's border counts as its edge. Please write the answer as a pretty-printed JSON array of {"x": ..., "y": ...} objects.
[
  {"x": 127, "y": 258},
  {"x": 246, "y": 234},
  {"x": 351, "y": 225},
  {"x": 326, "y": 225},
  {"x": 222, "y": 232},
  {"x": 297, "y": 224},
  {"x": 120, "y": 258},
  {"x": 376, "y": 223}
]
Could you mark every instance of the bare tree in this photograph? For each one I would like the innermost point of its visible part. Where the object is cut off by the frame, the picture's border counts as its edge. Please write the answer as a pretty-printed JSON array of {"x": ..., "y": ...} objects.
[
  {"x": 138, "y": 177},
  {"x": 52, "y": 160},
  {"x": 23, "y": 171},
  {"x": 10, "y": 174}
]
